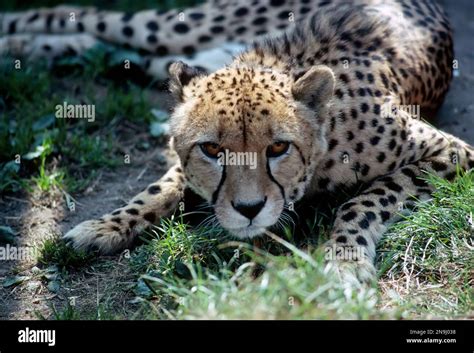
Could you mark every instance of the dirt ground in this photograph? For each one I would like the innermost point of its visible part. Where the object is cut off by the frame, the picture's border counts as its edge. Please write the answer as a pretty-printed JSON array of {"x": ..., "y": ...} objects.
[{"x": 37, "y": 218}]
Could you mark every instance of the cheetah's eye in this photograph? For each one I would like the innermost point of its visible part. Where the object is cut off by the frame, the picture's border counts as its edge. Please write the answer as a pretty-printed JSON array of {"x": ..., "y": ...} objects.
[
  {"x": 277, "y": 149},
  {"x": 210, "y": 149}
]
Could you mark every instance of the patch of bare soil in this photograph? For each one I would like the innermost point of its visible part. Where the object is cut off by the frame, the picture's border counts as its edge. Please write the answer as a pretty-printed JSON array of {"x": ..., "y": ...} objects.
[{"x": 105, "y": 283}]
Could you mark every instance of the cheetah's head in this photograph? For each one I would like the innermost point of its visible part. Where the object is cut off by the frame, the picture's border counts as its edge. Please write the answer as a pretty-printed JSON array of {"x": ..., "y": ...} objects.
[{"x": 249, "y": 139}]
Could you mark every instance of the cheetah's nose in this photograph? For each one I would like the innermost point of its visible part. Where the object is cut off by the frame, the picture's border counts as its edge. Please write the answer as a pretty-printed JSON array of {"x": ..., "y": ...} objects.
[{"x": 249, "y": 209}]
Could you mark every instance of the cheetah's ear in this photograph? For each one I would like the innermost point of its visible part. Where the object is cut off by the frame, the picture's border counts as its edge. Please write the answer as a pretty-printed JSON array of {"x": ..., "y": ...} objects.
[
  {"x": 315, "y": 87},
  {"x": 180, "y": 75}
]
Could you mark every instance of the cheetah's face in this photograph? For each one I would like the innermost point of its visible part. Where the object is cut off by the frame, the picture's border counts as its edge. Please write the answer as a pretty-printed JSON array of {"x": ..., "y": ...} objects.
[{"x": 248, "y": 139}]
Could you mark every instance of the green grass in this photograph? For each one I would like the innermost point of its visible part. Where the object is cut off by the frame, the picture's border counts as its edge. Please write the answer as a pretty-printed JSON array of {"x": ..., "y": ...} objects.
[
  {"x": 70, "y": 312},
  {"x": 39, "y": 150},
  {"x": 55, "y": 252},
  {"x": 430, "y": 254},
  {"x": 195, "y": 273}
]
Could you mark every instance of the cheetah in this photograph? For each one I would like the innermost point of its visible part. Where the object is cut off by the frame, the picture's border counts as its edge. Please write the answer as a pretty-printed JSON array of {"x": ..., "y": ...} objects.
[{"x": 318, "y": 102}]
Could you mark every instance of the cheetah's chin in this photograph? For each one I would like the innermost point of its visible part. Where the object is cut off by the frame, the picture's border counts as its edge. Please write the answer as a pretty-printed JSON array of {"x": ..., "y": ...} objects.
[{"x": 247, "y": 232}]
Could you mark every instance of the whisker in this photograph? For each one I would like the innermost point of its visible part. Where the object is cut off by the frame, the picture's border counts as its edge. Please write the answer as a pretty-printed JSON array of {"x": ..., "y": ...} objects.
[
  {"x": 204, "y": 205},
  {"x": 289, "y": 220},
  {"x": 287, "y": 208},
  {"x": 207, "y": 221}
]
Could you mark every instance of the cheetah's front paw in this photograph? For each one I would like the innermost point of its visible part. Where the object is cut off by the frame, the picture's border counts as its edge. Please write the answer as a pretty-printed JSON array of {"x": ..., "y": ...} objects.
[
  {"x": 97, "y": 235},
  {"x": 357, "y": 273},
  {"x": 350, "y": 263}
]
